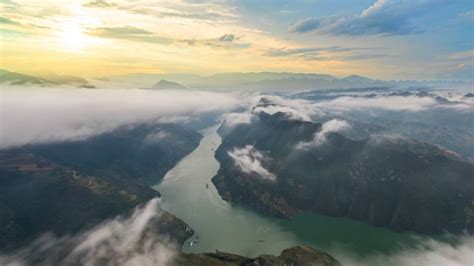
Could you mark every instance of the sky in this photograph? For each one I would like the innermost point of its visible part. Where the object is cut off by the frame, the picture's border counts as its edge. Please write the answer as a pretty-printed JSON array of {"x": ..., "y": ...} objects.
[{"x": 385, "y": 39}]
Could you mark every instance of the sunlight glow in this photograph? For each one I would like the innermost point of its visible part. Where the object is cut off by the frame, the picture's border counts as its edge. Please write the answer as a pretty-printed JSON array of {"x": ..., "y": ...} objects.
[{"x": 72, "y": 35}]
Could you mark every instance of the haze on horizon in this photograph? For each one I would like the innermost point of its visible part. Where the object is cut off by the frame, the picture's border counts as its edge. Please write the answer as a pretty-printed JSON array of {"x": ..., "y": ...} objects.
[{"x": 383, "y": 39}]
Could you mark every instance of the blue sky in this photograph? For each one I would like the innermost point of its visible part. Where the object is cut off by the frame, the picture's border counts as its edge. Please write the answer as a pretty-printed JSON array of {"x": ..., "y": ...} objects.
[{"x": 411, "y": 33}]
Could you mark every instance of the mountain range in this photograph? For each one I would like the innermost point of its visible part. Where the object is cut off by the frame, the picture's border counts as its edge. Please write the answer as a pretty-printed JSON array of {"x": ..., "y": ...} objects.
[
  {"x": 66, "y": 188},
  {"x": 258, "y": 81},
  {"x": 70, "y": 186},
  {"x": 271, "y": 81},
  {"x": 13, "y": 78},
  {"x": 281, "y": 166}
]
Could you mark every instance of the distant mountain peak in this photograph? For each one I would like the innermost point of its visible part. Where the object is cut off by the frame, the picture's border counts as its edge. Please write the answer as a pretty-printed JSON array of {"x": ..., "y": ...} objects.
[
  {"x": 168, "y": 85},
  {"x": 357, "y": 78},
  {"x": 14, "y": 78}
]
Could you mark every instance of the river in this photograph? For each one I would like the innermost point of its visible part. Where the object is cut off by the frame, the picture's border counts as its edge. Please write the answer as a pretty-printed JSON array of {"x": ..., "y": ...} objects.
[{"x": 188, "y": 193}]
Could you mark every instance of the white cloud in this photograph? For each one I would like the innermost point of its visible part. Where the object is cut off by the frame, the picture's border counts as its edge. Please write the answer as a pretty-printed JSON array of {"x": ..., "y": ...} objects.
[
  {"x": 296, "y": 109},
  {"x": 156, "y": 136},
  {"x": 334, "y": 125},
  {"x": 118, "y": 242},
  {"x": 384, "y": 17},
  {"x": 428, "y": 253},
  {"x": 249, "y": 160},
  {"x": 233, "y": 119},
  {"x": 290, "y": 112},
  {"x": 392, "y": 103},
  {"x": 37, "y": 115}
]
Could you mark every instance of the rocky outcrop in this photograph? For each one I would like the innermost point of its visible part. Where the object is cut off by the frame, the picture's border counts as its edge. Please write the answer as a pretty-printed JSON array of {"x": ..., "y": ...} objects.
[{"x": 299, "y": 255}]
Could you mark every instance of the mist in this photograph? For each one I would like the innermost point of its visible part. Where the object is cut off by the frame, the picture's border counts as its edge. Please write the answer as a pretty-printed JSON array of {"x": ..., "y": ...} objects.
[
  {"x": 120, "y": 241},
  {"x": 319, "y": 138},
  {"x": 249, "y": 160},
  {"x": 426, "y": 253},
  {"x": 41, "y": 115},
  {"x": 391, "y": 103}
]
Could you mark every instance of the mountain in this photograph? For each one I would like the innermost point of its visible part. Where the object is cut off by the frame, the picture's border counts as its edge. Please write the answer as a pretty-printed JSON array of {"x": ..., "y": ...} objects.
[
  {"x": 38, "y": 196},
  {"x": 469, "y": 95},
  {"x": 20, "y": 79},
  {"x": 168, "y": 85},
  {"x": 274, "y": 81},
  {"x": 67, "y": 79},
  {"x": 357, "y": 78},
  {"x": 402, "y": 184},
  {"x": 299, "y": 255},
  {"x": 240, "y": 78},
  {"x": 222, "y": 80},
  {"x": 70, "y": 186},
  {"x": 447, "y": 127},
  {"x": 13, "y": 78},
  {"x": 305, "y": 84},
  {"x": 268, "y": 81},
  {"x": 140, "y": 153}
]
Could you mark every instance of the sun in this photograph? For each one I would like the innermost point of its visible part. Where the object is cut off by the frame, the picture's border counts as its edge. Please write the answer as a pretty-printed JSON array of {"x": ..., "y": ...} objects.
[
  {"x": 72, "y": 36},
  {"x": 72, "y": 30}
]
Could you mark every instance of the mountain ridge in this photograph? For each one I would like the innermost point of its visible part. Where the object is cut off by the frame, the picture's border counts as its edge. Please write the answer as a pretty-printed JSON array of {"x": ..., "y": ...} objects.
[{"x": 402, "y": 184}]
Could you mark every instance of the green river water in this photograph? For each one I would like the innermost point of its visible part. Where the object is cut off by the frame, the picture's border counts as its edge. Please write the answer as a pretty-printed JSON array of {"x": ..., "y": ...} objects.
[{"x": 236, "y": 229}]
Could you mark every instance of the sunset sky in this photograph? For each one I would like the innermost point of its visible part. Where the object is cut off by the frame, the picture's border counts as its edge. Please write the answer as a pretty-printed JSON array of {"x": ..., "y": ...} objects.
[{"x": 388, "y": 39}]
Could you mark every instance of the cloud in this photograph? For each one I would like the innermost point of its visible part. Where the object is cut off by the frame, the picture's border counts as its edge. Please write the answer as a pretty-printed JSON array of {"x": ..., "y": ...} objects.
[
  {"x": 8, "y": 4},
  {"x": 121, "y": 241},
  {"x": 457, "y": 65},
  {"x": 121, "y": 31},
  {"x": 334, "y": 125},
  {"x": 156, "y": 136},
  {"x": 99, "y": 4},
  {"x": 358, "y": 57},
  {"x": 206, "y": 11},
  {"x": 284, "y": 52},
  {"x": 172, "y": 14},
  {"x": 141, "y": 35},
  {"x": 327, "y": 53},
  {"x": 225, "y": 41},
  {"x": 294, "y": 109},
  {"x": 233, "y": 119},
  {"x": 391, "y": 103},
  {"x": 128, "y": 33},
  {"x": 291, "y": 113},
  {"x": 227, "y": 38},
  {"x": 305, "y": 25},
  {"x": 468, "y": 16},
  {"x": 427, "y": 253},
  {"x": 331, "y": 126},
  {"x": 39, "y": 115},
  {"x": 4, "y": 20},
  {"x": 384, "y": 17},
  {"x": 249, "y": 160}
]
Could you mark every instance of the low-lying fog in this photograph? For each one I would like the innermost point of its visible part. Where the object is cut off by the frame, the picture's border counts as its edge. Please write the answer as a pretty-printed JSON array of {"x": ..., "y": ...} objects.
[{"x": 37, "y": 115}]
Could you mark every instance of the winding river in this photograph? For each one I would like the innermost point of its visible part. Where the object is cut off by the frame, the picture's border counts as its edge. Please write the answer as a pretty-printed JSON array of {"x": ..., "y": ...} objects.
[{"x": 188, "y": 193}]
